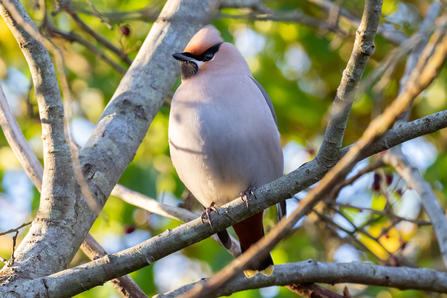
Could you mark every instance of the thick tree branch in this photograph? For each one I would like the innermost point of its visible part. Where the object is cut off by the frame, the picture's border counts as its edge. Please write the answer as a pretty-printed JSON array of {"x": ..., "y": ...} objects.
[
  {"x": 331, "y": 273},
  {"x": 57, "y": 204},
  {"x": 124, "y": 284}
]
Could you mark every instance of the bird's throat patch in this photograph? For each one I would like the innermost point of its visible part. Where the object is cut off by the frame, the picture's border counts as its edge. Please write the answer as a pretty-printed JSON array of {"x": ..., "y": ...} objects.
[{"x": 189, "y": 69}]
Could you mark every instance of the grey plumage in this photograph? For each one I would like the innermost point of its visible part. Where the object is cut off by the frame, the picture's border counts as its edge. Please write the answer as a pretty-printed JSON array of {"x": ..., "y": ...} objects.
[{"x": 223, "y": 134}]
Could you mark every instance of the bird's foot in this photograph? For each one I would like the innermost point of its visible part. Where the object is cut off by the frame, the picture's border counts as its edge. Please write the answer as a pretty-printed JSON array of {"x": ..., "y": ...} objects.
[
  {"x": 207, "y": 213},
  {"x": 246, "y": 194}
]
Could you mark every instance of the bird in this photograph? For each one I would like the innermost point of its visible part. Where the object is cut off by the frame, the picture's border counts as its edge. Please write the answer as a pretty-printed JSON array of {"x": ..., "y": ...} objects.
[{"x": 223, "y": 134}]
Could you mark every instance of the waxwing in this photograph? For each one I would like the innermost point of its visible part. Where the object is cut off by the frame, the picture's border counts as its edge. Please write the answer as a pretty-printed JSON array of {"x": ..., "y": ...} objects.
[{"x": 223, "y": 135}]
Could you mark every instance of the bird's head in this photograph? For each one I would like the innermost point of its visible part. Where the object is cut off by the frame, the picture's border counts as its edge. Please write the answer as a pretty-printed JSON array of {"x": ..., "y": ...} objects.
[{"x": 207, "y": 52}]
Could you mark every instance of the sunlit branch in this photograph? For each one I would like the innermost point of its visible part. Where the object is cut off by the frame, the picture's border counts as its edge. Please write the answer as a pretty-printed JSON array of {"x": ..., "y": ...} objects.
[
  {"x": 125, "y": 285},
  {"x": 329, "y": 152},
  {"x": 431, "y": 204},
  {"x": 331, "y": 273},
  {"x": 151, "y": 205},
  {"x": 58, "y": 172}
]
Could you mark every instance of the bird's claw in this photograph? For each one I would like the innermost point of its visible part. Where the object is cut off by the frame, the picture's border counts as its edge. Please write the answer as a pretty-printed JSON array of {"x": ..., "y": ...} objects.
[
  {"x": 246, "y": 194},
  {"x": 207, "y": 213}
]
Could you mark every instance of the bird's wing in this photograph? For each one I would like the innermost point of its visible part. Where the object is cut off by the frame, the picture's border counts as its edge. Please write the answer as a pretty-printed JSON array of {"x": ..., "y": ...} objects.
[
  {"x": 267, "y": 99},
  {"x": 281, "y": 207}
]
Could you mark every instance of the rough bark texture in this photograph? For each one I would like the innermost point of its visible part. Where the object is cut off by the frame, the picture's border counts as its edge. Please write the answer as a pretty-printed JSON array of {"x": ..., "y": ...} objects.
[
  {"x": 330, "y": 273},
  {"x": 125, "y": 285},
  {"x": 57, "y": 210}
]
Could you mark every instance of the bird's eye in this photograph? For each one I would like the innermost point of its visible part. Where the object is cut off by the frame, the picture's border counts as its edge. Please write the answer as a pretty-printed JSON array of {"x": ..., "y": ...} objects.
[{"x": 208, "y": 56}]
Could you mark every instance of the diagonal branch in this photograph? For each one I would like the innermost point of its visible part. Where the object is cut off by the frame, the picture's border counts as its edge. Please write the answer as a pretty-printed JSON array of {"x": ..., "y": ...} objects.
[
  {"x": 400, "y": 162},
  {"x": 151, "y": 205},
  {"x": 331, "y": 273},
  {"x": 431, "y": 204},
  {"x": 18, "y": 143},
  {"x": 120, "y": 53},
  {"x": 71, "y": 37},
  {"x": 329, "y": 152},
  {"x": 125, "y": 285}
]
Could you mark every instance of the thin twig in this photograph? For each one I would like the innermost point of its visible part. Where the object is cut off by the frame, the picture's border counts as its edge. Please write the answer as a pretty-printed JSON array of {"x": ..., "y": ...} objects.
[
  {"x": 93, "y": 7},
  {"x": 382, "y": 212},
  {"x": 120, "y": 53},
  {"x": 14, "y": 240},
  {"x": 378, "y": 164},
  {"x": 292, "y": 17},
  {"x": 394, "y": 36},
  {"x": 16, "y": 229},
  {"x": 71, "y": 37}
]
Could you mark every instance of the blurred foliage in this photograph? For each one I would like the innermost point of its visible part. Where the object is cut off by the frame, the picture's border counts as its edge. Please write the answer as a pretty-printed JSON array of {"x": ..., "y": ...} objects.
[{"x": 301, "y": 68}]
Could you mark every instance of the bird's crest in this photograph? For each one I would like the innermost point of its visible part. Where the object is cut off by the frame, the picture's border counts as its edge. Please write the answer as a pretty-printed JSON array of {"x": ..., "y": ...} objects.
[{"x": 207, "y": 37}]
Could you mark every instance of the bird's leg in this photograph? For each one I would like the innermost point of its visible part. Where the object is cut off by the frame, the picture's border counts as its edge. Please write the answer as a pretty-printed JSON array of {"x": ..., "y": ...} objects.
[
  {"x": 246, "y": 193},
  {"x": 207, "y": 213}
]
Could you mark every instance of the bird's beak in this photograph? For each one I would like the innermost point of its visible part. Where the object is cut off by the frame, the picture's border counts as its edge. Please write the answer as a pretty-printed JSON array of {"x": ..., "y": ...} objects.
[{"x": 181, "y": 57}]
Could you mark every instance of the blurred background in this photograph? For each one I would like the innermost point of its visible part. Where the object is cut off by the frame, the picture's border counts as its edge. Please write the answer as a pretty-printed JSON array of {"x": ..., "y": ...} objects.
[{"x": 299, "y": 60}]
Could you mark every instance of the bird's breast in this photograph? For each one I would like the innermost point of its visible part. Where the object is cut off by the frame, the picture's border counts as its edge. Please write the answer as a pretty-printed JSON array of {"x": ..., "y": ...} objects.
[{"x": 223, "y": 140}]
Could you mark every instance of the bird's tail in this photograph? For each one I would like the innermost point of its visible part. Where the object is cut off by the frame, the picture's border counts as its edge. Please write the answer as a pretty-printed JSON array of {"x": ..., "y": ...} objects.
[{"x": 249, "y": 232}]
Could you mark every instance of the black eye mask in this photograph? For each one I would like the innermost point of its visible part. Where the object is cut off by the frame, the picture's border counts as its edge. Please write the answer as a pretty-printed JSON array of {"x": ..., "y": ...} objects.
[{"x": 205, "y": 56}]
